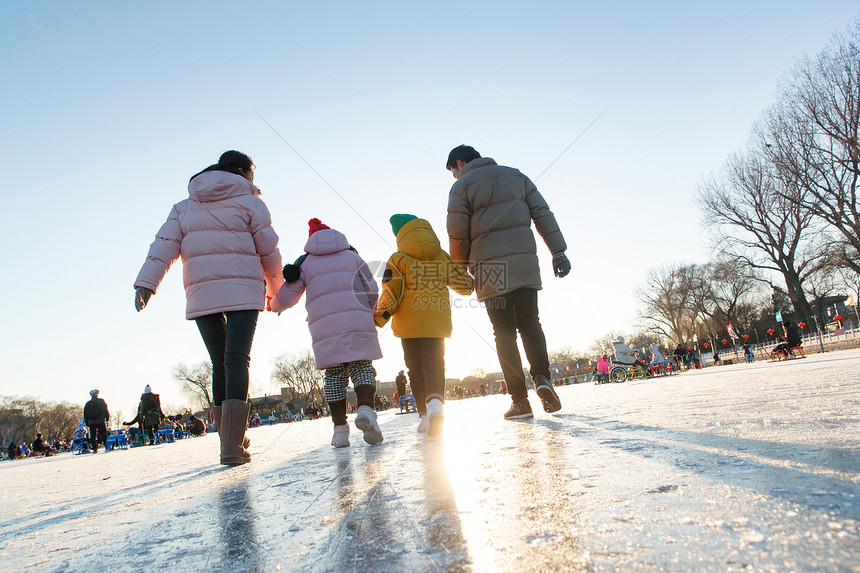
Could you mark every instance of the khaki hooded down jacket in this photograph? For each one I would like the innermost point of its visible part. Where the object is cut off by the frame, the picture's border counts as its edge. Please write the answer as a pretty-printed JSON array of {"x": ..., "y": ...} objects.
[
  {"x": 490, "y": 212},
  {"x": 415, "y": 285}
]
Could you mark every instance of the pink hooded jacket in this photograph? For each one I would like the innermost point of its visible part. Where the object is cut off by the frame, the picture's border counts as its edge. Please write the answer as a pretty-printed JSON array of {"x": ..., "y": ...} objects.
[
  {"x": 341, "y": 300},
  {"x": 229, "y": 250},
  {"x": 602, "y": 365}
]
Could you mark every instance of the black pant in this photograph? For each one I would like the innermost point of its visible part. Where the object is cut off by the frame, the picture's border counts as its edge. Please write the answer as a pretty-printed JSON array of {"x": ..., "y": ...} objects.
[
  {"x": 98, "y": 433},
  {"x": 228, "y": 337},
  {"x": 425, "y": 360},
  {"x": 510, "y": 312},
  {"x": 150, "y": 432}
]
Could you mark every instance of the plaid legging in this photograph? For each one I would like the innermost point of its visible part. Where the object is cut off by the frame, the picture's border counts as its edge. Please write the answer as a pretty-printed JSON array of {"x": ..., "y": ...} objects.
[{"x": 361, "y": 372}]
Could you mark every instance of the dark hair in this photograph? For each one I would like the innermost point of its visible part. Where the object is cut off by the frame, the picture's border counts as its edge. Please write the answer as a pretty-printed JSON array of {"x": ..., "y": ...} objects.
[
  {"x": 464, "y": 153},
  {"x": 232, "y": 161}
]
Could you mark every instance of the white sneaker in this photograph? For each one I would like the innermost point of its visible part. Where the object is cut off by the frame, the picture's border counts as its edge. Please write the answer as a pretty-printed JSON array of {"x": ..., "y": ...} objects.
[
  {"x": 422, "y": 425},
  {"x": 435, "y": 417},
  {"x": 340, "y": 438},
  {"x": 365, "y": 421}
]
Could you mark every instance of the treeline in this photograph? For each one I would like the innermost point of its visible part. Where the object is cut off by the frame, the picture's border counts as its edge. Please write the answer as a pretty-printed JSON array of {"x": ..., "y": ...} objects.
[
  {"x": 782, "y": 212},
  {"x": 22, "y": 418}
]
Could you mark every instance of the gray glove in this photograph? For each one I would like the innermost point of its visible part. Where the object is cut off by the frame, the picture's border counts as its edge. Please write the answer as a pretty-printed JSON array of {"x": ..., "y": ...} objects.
[
  {"x": 560, "y": 264},
  {"x": 141, "y": 298}
]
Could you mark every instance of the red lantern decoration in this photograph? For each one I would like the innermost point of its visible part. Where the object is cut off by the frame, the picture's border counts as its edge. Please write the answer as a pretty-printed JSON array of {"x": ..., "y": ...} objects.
[
  {"x": 724, "y": 341},
  {"x": 690, "y": 348},
  {"x": 801, "y": 324},
  {"x": 706, "y": 345},
  {"x": 746, "y": 336},
  {"x": 770, "y": 331},
  {"x": 838, "y": 317}
]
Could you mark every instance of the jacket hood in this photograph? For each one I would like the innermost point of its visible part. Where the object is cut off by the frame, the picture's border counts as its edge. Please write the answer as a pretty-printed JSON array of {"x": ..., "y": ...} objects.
[
  {"x": 417, "y": 239},
  {"x": 479, "y": 162},
  {"x": 219, "y": 185},
  {"x": 326, "y": 242}
]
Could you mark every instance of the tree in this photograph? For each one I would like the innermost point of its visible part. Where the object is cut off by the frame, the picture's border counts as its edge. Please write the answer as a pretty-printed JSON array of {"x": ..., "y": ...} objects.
[
  {"x": 812, "y": 135},
  {"x": 747, "y": 207},
  {"x": 22, "y": 417},
  {"x": 196, "y": 383},
  {"x": 299, "y": 372},
  {"x": 726, "y": 292},
  {"x": 669, "y": 303},
  {"x": 478, "y": 373},
  {"x": 59, "y": 420},
  {"x": 602, "y": 345},
  {"x": 564, "y": 356}
]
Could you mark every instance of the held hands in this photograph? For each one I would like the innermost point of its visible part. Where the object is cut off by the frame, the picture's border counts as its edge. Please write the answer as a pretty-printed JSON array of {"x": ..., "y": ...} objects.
[
  {"x": 381, "y": 319},
  {"x": 269, "y": 305},
  {"x": 560, "y": 265},
  {"x": 141, "y": 298}
]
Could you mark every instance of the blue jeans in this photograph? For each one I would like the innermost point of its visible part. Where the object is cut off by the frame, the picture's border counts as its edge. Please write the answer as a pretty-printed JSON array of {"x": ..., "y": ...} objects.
[{"x": 228, "y": 337}]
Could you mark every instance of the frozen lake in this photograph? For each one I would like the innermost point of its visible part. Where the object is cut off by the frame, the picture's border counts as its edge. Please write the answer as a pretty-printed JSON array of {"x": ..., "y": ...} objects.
[{"x": 724, "y": 469}]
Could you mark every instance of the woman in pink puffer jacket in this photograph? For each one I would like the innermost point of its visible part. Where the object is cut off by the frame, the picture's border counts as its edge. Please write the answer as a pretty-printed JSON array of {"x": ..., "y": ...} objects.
[
  {"x": 231, "y": 263},
  {"x": 341, "y": 299}
]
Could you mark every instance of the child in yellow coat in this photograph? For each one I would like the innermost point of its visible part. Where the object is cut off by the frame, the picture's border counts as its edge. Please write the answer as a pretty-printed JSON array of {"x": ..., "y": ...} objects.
[{"x": 415, "y": 293}]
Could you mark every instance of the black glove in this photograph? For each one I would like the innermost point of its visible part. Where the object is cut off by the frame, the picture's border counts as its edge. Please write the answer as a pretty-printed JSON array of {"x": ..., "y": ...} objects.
[
  {"x": 141, "y": 298},
  {"x": 560, "y": 265}
]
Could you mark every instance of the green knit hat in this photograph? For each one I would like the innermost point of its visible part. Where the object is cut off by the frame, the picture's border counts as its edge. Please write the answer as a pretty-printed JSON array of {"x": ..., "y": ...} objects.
[{"x": 398, "y": 220}]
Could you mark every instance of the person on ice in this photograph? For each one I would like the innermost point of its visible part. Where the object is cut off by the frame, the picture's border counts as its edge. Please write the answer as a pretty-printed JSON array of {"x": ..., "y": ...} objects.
[
  {"x": 231, "y": 263},
  {"x": 341, "y": 299},
  {"x": 791, "y": 340},
  {"x": 149, "y": 414},
  {"x": 603, "y": 368},
  {"x": 490, "y": 212},
  {"x": 97, "y": 415},
  {"x": 415, "y": 292}
]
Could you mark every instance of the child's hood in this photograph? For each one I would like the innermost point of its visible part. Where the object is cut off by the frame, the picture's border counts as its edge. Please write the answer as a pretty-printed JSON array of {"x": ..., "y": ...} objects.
[
  {"x": 326, "y": 242},
  {"x": 417, "y": 239}
]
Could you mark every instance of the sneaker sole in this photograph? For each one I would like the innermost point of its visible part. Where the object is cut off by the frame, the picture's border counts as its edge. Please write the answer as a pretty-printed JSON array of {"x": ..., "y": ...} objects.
[
  {"x": 520, "y": 416},
  {"x": 434, "y": 427},
  {"x": 371, "y": 435},
  {"x": 550, "y": 401}
]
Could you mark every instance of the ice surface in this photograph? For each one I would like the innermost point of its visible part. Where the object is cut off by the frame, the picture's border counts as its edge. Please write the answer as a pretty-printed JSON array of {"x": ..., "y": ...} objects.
[{"x": 742, "y": 466}]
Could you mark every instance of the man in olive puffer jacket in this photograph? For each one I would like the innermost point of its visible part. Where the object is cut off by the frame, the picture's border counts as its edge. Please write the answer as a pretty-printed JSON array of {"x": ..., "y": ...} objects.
[{"x": 490, "y": 212}]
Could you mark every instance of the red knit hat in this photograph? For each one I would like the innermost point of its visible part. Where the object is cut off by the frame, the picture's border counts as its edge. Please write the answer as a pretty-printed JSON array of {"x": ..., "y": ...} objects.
[{"x": 316, "y": 225}]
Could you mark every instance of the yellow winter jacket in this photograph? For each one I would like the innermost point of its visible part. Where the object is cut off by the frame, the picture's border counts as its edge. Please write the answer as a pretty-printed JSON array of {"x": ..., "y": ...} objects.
[{"x": 415, "y": 285}]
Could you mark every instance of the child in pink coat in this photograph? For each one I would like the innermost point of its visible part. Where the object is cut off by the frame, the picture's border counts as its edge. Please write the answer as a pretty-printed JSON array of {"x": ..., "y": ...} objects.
[
  {"x": 602, "y": 365},
  {"x": 341, "y": 300}
]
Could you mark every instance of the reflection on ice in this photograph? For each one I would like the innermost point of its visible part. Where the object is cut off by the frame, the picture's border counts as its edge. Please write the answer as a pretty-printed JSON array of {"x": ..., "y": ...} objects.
[
  {"x": 237, "y": 525},
  {"x": 666, "y": 474}
]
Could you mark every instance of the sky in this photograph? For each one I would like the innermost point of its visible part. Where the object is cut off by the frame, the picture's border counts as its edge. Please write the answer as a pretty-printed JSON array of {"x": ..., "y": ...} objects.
[{"x": 616, "y": 110}]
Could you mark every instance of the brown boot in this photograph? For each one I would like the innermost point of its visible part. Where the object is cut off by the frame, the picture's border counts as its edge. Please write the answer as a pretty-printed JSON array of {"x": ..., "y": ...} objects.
[
  {"x": 234, "y": 422},
  {"x": 216, "y": 419}
]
